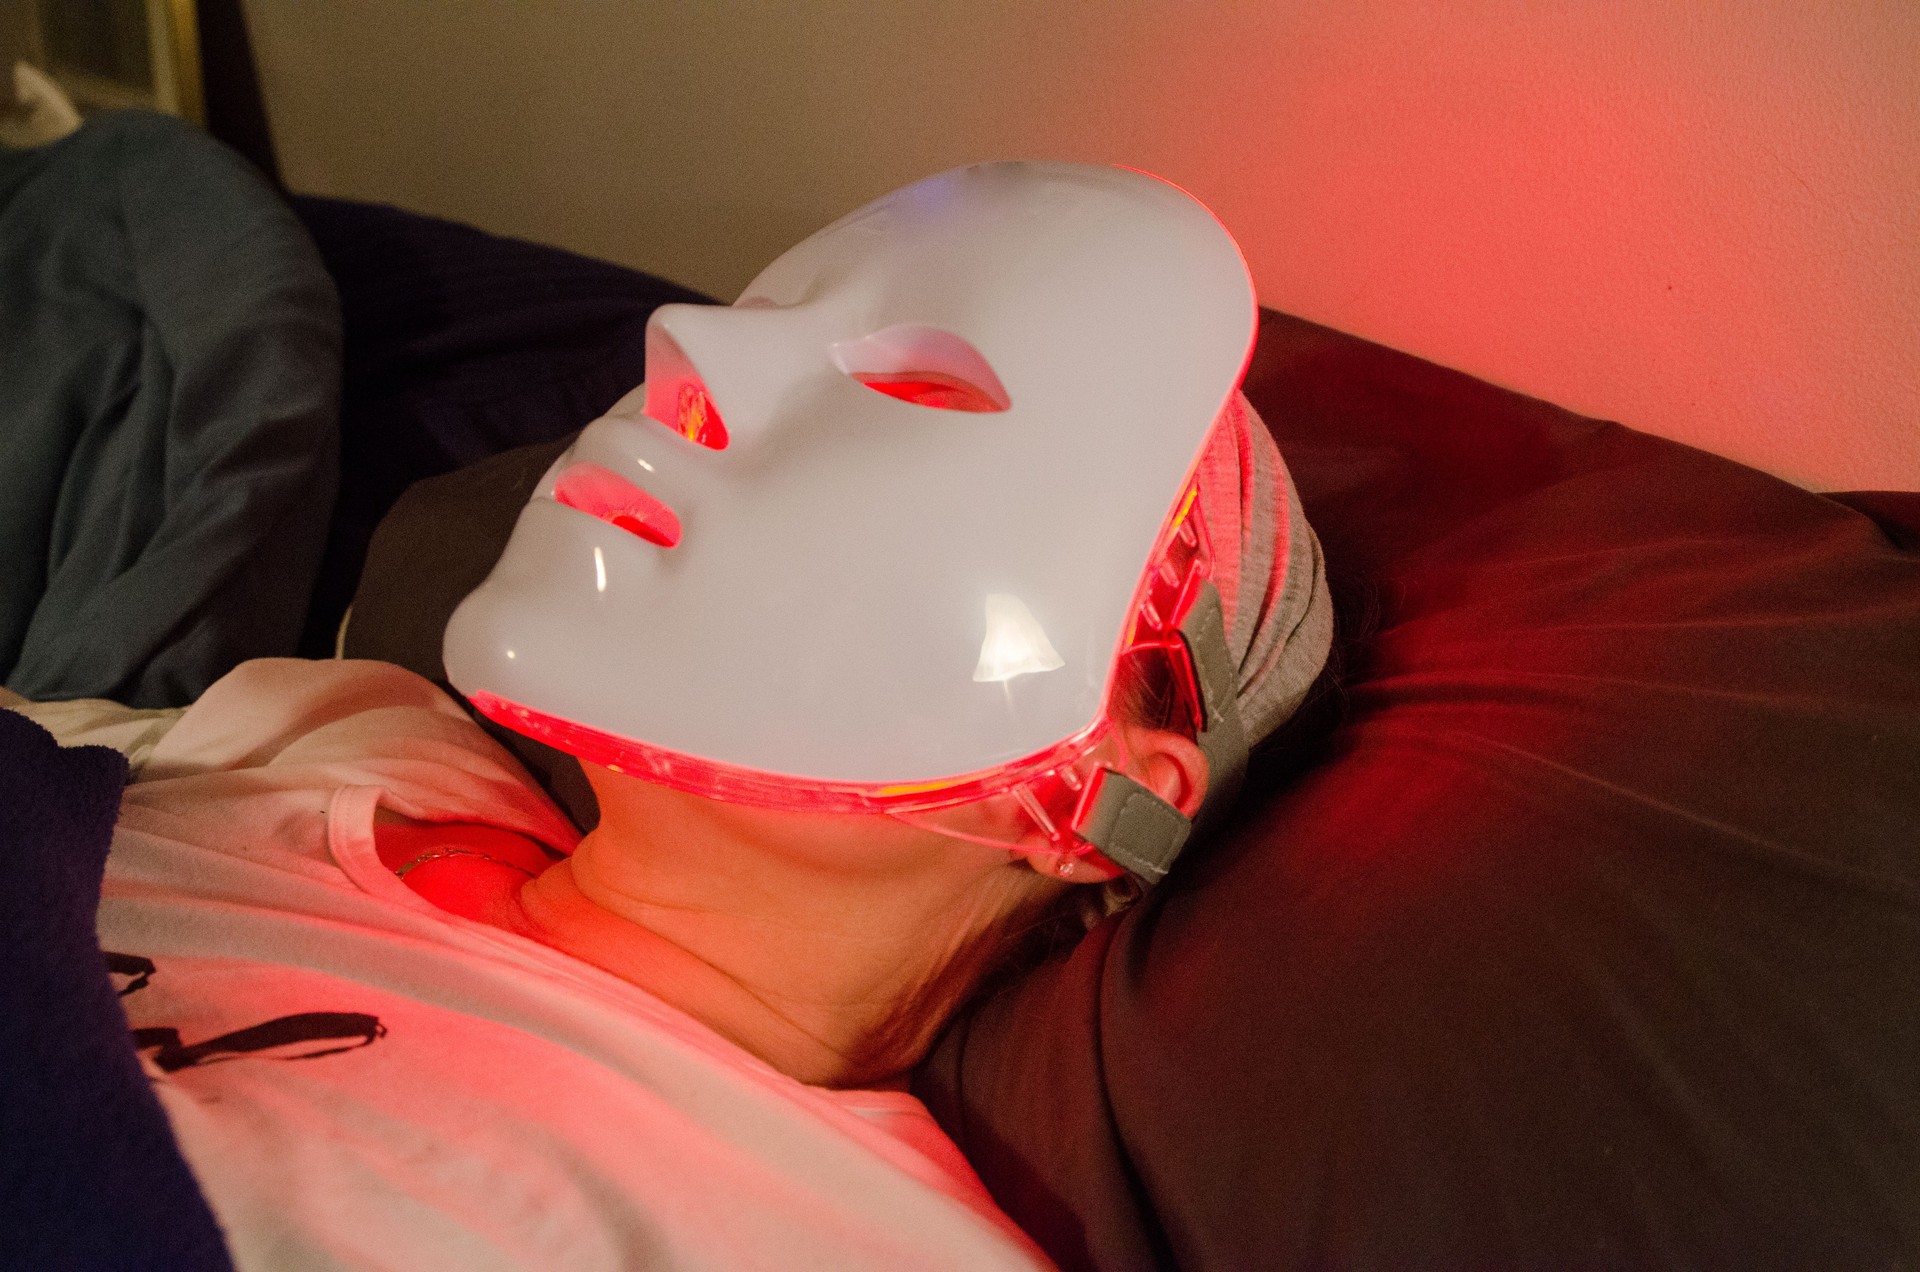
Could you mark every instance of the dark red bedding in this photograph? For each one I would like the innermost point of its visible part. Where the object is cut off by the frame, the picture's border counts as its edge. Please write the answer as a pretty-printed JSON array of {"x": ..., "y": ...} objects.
[{"x": 1590, "y": 937}]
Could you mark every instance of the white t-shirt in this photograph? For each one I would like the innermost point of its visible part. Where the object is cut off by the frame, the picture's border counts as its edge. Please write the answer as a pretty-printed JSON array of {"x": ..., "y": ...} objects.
[{"x": 359, "y": 1079}]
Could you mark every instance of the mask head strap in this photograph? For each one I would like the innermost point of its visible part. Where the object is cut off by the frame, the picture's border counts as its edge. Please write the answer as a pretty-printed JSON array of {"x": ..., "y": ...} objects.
[{"x": 1130, "y": 825}]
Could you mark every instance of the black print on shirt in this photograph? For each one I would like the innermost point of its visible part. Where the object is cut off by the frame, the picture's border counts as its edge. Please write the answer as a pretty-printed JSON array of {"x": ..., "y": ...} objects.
[
  {"x": 130, "y": 965},
  {"x": 301, "y": 1036},
  {"x": 284, "y": 1038}
]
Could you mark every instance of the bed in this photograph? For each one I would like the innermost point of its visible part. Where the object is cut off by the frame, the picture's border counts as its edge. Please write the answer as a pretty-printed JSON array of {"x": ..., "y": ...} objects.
[{"x": 1575, "y": 921}]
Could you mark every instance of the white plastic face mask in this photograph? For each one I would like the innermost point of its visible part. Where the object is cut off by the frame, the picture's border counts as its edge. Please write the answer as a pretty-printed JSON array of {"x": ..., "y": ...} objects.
[{"x": 875, "y": 534}]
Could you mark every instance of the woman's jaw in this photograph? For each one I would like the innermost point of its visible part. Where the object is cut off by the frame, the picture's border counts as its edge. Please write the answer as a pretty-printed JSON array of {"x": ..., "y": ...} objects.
[{"x": 833, "y": 946}]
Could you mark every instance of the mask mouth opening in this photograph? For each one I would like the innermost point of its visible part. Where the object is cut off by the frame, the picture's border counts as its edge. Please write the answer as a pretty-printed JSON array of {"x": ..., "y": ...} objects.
[{"x": 600, "y": 492}]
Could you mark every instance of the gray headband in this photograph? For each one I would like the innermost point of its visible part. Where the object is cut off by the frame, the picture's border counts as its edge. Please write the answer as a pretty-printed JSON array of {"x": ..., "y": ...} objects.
[
  {"x": 1259, "y": 635},
  {"x": 1267, "y": 568}
]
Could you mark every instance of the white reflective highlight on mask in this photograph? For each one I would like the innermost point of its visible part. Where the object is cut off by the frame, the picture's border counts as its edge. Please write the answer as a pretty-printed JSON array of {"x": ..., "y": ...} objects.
[
  {"x": 599, "y": 569},
  {"x": 1016, "y": 644}
]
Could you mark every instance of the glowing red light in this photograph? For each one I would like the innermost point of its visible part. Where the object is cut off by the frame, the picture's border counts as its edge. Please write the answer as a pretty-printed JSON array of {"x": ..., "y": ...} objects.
[
  {"x": 603, "y": 493},
  {"x": 739, "y": 785},
  {"x": 698, "y": 420},
  {"x": 1180, "y": 564},
  {"x": 929, "y": 388}
]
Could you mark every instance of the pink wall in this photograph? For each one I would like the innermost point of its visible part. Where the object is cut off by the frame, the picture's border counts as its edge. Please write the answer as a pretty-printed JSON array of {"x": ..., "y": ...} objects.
[{"x": 1701, "y": 219}]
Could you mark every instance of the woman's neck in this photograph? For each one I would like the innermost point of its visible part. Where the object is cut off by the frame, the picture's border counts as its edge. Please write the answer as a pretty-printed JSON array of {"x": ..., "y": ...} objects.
[{"x": 805, "y": 957}]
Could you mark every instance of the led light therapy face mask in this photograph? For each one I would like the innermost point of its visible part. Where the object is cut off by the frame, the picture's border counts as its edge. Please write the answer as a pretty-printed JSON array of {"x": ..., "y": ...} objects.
[{"x": 877, "y": 537}]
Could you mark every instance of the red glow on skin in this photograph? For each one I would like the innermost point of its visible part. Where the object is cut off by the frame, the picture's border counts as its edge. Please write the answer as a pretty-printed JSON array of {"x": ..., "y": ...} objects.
[{"x": 471, "y": 870}]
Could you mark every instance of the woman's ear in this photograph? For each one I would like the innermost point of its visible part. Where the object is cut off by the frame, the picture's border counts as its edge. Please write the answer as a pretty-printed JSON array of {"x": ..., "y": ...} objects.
[
  {"x": 1074, "y": 869},
  {"x": 1169, "y": 764}
]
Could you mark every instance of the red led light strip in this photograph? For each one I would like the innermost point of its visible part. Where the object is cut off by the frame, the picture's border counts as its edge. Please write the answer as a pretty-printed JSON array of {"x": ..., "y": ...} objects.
[{"x": 739, "y": 785}]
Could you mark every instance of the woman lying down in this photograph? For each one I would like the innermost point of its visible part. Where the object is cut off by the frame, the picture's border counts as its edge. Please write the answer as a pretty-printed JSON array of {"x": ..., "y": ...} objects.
[{"x": 933, "y": 590}]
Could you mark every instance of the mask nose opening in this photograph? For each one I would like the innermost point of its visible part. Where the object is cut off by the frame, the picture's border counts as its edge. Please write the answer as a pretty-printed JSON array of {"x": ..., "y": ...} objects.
[
  {"x": 926, "y": 366},
  {"x": 676, "y": 395}
]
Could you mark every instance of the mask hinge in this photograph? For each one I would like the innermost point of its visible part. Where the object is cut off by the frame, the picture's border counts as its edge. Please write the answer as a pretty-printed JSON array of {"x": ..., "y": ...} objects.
[{"x": 1130, "y": 825}]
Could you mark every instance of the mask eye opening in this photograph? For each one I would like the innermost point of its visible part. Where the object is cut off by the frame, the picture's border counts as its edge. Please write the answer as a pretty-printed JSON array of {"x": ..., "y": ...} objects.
[
  {"x": 924, "y": 365},
  {"x": 930, "y": 388}
]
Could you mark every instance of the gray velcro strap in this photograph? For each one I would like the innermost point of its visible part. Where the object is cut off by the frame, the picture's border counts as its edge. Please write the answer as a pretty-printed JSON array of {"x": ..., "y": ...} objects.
[
  {"x": 1136, "y": 829},
  {"x": 1223, "y": 736},
  {"x": 1131, "y": 826}
]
